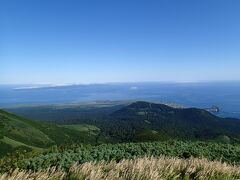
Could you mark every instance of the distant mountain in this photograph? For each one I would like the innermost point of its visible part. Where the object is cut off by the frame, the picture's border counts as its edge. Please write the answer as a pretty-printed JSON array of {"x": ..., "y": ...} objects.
[{"x": 148, "y": 121}]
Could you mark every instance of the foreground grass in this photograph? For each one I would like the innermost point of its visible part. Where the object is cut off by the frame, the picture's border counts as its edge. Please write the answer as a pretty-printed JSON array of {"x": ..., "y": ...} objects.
[{"x": 138, "y": 169}]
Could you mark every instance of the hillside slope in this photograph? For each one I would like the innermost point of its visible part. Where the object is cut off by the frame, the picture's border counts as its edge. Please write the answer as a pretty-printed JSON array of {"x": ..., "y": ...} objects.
[
  {"x": 23, "y": 130},
  {"x": 17, "y": 132}
]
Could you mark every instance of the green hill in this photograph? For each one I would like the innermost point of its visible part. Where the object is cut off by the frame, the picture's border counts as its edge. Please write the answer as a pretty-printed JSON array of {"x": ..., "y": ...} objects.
[
  {"x": 23, "y": 130},
  {"x": 20, "y": 133},
  {"x": 142, "y": 121}
]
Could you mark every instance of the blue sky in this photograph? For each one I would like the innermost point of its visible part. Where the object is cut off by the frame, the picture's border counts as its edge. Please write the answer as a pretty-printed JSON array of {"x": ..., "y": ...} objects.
[{"x": 86, "y": 41}]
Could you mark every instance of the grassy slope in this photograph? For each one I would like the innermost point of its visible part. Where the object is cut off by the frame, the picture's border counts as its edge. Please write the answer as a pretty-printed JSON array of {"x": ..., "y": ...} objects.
[
  {"x": 83, "y": 128},
  {"x": 16, "y": 144},
  {"x": 16, "y": 132}
]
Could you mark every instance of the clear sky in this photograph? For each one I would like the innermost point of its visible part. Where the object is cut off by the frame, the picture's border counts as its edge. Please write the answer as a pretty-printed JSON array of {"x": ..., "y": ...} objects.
[{"x": 86, "y": 41}]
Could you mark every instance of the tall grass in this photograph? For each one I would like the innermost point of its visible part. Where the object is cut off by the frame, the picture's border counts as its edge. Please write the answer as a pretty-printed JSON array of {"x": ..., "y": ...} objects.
[{"x": 138, "y": 169}]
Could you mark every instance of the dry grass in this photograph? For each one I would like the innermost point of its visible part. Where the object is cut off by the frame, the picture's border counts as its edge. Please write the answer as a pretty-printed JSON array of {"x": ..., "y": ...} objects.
[{"x": 139, "y": 169}]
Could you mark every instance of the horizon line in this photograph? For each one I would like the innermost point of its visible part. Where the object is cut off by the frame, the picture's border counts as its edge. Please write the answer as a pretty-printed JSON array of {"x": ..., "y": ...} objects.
[{"x": 114, "y": 82}]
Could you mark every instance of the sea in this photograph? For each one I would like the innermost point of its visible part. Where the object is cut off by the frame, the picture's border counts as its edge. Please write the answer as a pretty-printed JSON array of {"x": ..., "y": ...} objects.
[{"x": 225, "y": 95}]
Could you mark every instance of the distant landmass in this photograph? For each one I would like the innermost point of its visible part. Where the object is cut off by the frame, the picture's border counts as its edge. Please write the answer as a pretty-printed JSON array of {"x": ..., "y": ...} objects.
[{"x": 224, "y": 95}]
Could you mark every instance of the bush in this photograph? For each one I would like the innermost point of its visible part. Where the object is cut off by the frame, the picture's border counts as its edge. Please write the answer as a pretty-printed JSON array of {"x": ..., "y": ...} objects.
[{"x": 64, "y": 157}]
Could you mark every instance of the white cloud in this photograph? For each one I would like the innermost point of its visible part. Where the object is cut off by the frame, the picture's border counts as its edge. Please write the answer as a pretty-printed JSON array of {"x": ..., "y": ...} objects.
[{"x": 134, "y": 88}]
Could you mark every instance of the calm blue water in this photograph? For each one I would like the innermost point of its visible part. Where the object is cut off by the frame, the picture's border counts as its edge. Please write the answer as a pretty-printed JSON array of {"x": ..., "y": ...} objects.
[{"x": 226, "y": 95}]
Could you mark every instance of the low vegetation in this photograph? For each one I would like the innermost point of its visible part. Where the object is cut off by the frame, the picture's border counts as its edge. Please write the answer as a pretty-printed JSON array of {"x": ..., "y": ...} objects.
[{"x": 64, "y": 157}]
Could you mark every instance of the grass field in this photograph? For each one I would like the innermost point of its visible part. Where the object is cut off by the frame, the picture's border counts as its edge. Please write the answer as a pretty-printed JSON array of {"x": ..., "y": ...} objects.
[
  {"x": 22, "y": 130},
  {"x": 138, "y": 169},
  {"x": 18, "y": 133},
  {"x": 88, "y": 129},
  {"x": 83, "y": 128},
  {"x": 15, "y": 144}
]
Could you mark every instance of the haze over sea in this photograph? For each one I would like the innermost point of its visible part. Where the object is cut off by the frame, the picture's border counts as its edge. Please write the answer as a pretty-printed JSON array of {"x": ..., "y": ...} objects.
[{"x": 225, "y": 95}]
